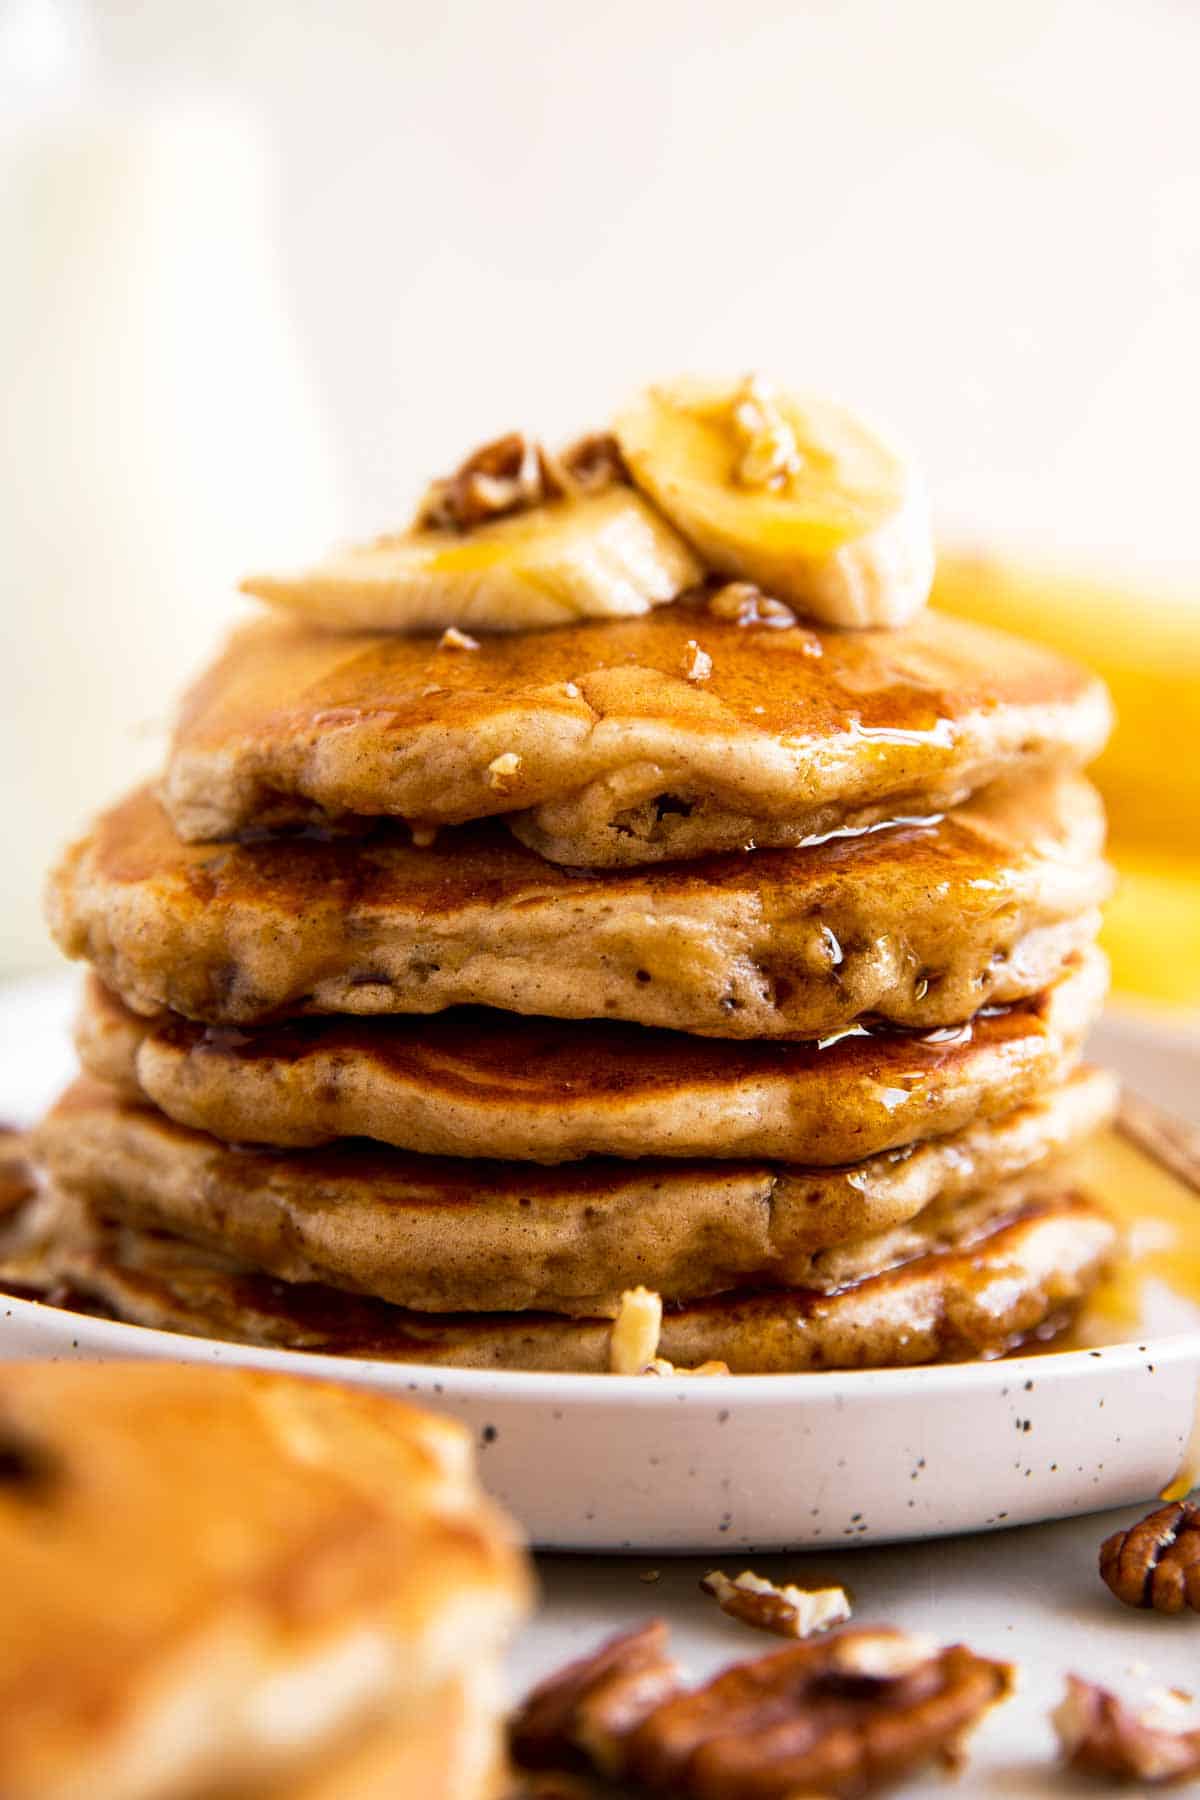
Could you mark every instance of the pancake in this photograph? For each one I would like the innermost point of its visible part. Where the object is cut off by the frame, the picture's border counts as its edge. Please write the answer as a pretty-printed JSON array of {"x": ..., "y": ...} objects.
[
  {"x": 477, "y": 1083},
  {"x": 444, "y": 1234},
  {"x": 918, "y": 925},
  {"x": 214, "y": 1579},
  {"x": 1020, "y": 1279},
  {"x": 600, "y": 748}
]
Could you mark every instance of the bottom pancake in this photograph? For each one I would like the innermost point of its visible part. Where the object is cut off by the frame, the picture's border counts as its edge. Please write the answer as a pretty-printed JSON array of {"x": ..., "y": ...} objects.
[
  {"x": 986, "y": 1288},
  {"x": 449, "y": 1235}
]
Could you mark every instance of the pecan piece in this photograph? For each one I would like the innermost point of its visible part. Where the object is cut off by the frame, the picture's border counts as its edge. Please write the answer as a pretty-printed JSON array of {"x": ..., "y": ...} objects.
[
  {"x": 595, "y": 462},
  {"x": 509, "y": 475},
  {"x": 741, "y": 603},
  {"x": 1156, "y": 1564},
  {"x": 588, "y": 1707},
  {"x": 1101, "y": 1736},
  {"x": 836, "y": 1717},
  {"x": 787, "y": 1611},
  {"x": 17, "y": 1180}
]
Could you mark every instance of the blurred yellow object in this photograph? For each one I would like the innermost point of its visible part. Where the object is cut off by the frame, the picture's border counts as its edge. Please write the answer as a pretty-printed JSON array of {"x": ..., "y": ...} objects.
[{"x": 1147, "y": 648}]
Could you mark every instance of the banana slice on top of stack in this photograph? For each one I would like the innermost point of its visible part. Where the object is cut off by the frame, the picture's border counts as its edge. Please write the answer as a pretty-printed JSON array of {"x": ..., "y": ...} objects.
[{"x": 796, "y": 496}]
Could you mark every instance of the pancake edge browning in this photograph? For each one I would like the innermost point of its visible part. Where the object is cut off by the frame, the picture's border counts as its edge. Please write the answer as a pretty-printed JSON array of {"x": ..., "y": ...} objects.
[
  {"x": 446, "y": 1235},
  {"x": 917, "y": 925},
  {"x": 620, "y": 759},
  {"x": 488, "y": 1084},
  {"x": 1021, "y": 1281}
]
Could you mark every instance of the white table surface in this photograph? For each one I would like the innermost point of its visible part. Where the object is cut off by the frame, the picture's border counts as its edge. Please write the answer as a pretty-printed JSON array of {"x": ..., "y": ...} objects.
[{"x": 1031, "y": 1596}]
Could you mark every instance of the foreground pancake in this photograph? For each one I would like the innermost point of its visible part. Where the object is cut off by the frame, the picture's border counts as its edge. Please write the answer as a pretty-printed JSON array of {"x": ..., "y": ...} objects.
[
  {"x": 604, "y": 752},
  {"x": 443, "y": 1234},
  {"x": 213, "y": 1577},
  {"x": 919, "y": 925},
  {"x": 1021, "y": 1277},
  {"x": 478, "y": 1083}
]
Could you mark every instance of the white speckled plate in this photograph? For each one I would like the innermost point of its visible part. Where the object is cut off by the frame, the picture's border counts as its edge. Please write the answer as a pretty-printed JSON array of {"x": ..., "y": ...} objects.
[{"x": 615, "y": 1463}]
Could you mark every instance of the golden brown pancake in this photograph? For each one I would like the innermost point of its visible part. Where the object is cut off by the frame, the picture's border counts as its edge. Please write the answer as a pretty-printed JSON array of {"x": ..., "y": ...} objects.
[
  {"x": 601, "y": 751},
  {"x": 919, "y": 925},
  {"x": 1020, "y": 1277},
  {"x": 215, "y": 1579},
  {"x": 478, "y": 1083},
  {"x": 440, "y": 1234}
]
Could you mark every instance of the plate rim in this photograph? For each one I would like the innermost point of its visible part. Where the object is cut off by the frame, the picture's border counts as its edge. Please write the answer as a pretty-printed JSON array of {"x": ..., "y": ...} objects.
[{"x": 592, "y": 1390}]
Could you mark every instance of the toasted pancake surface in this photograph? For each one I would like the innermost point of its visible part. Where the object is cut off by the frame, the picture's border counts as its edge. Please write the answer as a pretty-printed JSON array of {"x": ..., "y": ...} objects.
[
  {"x": 212, "y": 1575},
  {"x": 1018, "y": 1274},
  {"x": 603, "y": 751},
  {"x": 478, "y": 1083},
  {"x": 443, "y": 1234},
  {"x": 919, "y": 925}
]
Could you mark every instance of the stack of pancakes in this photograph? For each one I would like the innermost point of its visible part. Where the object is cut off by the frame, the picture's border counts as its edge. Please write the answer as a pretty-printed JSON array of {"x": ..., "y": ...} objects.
[{"x": 445, "y": 990}]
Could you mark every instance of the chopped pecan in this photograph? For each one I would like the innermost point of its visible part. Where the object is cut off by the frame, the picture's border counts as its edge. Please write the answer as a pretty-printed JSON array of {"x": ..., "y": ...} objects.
[
  {"x": 586, "y": 1708},
  {"x": 787, "y": 1611},
  {"x": 770, "y": 455},
  {"x": 633, "y": 1345},
  {"x": 454, "y": 639},
  {"x": 18, "y": 1182},
  {"x": 509, "y": 475},
  {"x": 595, "y": 462},
  {"x": 1156, "y": 1564},
  {"x": 741, "y": 603},
  {"x": 696, "y": 663},
  {"x": 502, "y": 770},
  {"x": 514, "y": 473},
  {"x": 659, "y": 1365},
  {"x": 1099, "y": 1735}
]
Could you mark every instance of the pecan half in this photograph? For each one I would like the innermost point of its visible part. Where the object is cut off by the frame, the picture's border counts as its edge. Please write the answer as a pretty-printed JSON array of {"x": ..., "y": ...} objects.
[
  {"x": 786, "y": 1611},
  {"x": 589, "y": 1706},
  {"x": 1156, "y": 1564},
  {"x": 851, "y": 1712},
  {"x": 839, "y": 1716},
  {"x": 1101, "y": 1736}
]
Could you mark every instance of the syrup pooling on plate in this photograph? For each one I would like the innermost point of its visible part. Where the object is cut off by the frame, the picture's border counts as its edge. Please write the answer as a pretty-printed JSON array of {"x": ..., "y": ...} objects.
[{"x": 1155, "y": 1288}]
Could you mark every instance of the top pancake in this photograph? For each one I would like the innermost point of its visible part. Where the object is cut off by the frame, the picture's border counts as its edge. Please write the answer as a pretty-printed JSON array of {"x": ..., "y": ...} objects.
[
  {"x": 919, "y": 925},
  {"x": 619, "y": 757},
  {"x": 189, "y": 1554}
]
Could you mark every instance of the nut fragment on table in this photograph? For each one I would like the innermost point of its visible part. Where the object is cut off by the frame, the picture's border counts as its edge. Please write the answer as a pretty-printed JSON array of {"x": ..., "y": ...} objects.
[
  {"x": 1099, "y": 1735},
  {"x": 842, "y": 1716},
  {"x": 1156, "y": 1563},
  {"x": 587, "y": 1707},
  {"x": 786, "y": 1611}
]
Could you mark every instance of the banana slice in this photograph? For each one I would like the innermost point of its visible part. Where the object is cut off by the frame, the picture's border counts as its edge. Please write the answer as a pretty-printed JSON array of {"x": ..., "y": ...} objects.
[
  {"x": 577, "y": 556},
  {"x": 796, "y": 495}
]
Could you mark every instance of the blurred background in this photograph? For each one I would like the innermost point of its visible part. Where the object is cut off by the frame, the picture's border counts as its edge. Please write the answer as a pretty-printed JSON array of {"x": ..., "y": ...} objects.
[{"x": 266, "y": 266}]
